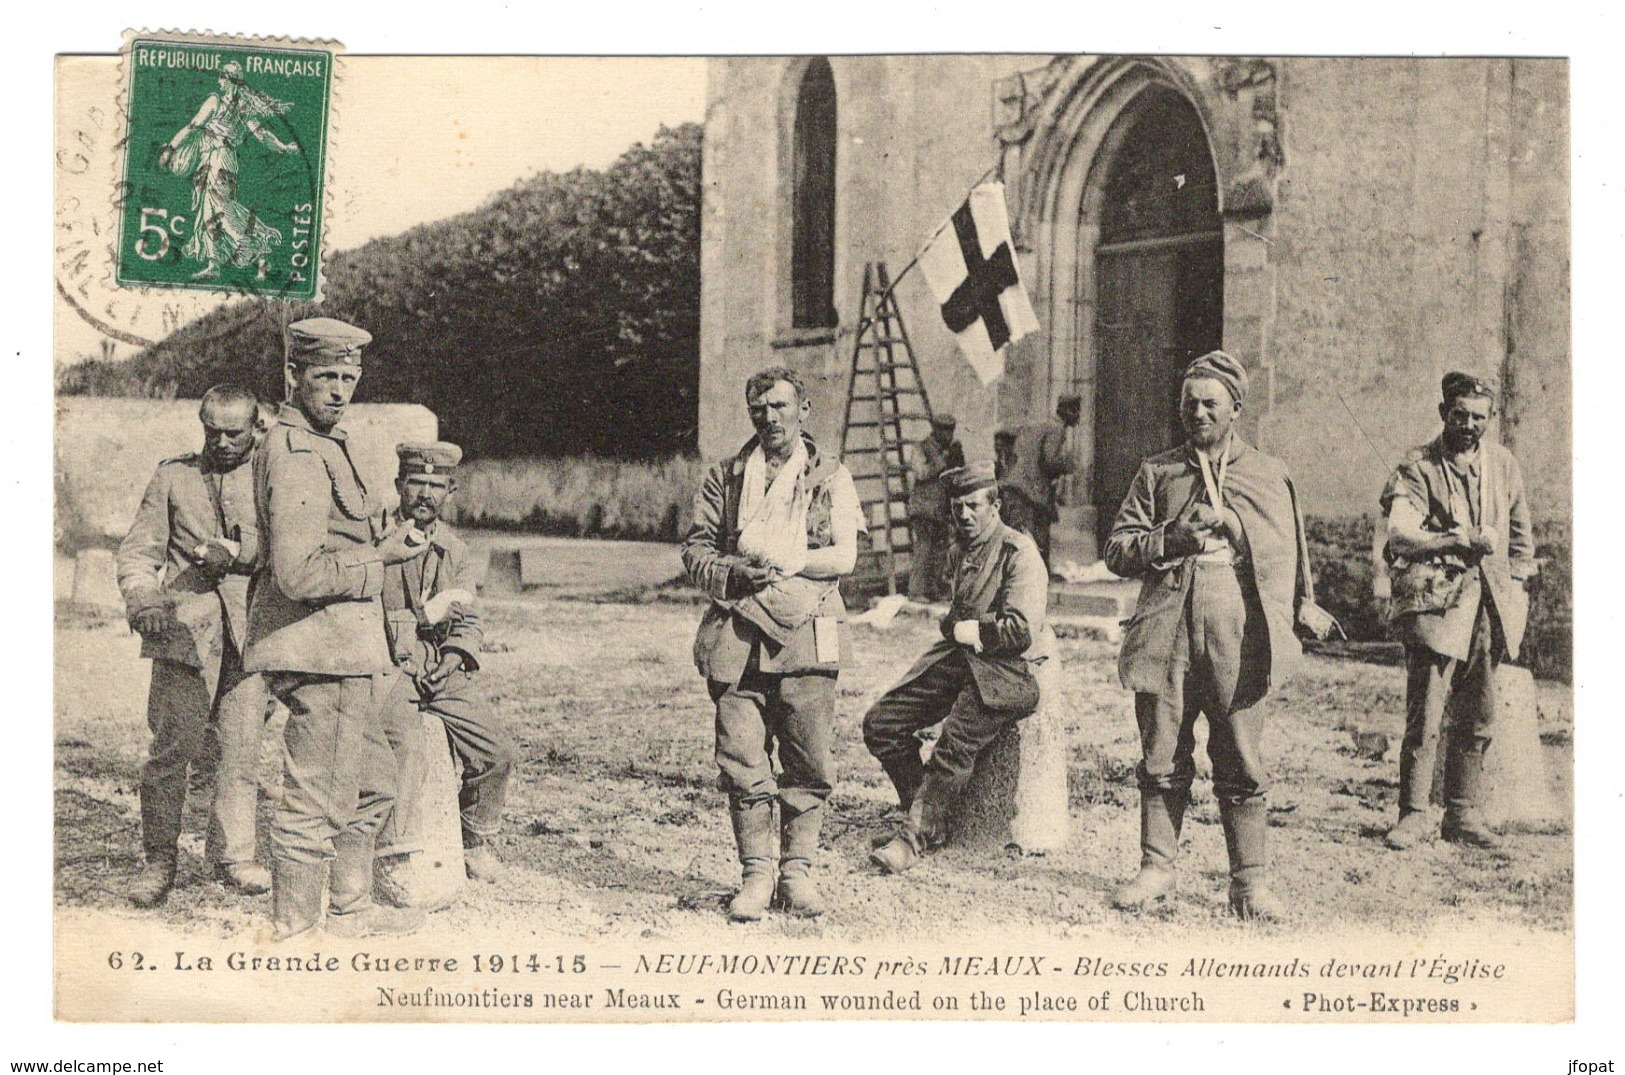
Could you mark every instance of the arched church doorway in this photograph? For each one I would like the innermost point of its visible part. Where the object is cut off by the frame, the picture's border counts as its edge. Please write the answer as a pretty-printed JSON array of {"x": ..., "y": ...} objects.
[{"x": 1159, "y": 284}]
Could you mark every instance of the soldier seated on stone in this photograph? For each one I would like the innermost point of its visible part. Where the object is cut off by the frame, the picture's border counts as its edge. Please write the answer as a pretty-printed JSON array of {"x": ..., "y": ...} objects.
[
  {"x": 977, "y": 682},
  {"x": 183, "y": 569},
  {"x": 434, "y": 636}
]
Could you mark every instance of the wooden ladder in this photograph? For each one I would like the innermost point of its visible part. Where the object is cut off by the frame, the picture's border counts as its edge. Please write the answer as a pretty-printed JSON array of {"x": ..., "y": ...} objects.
[{"x": 887, "y": 410}]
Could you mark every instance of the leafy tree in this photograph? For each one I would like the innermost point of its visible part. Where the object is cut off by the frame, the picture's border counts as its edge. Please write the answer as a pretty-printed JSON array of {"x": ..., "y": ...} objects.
[{"x": 560, "y": 317}]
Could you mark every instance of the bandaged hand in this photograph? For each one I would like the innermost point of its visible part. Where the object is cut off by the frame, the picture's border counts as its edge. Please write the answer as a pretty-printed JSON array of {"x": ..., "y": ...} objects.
[{"x": 969, "y": 633}]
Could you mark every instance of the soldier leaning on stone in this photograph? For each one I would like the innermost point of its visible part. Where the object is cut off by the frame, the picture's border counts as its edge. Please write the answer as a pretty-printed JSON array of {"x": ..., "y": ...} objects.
[
  {"x": 183, "y": 569},
  {"x": 1460, "y": 546},
  {"x": 434, "y": 637},
  {"x": 929, "y": 528},
  {"x": 316, "y": 629},
  {"x": 977, "y": 681}
]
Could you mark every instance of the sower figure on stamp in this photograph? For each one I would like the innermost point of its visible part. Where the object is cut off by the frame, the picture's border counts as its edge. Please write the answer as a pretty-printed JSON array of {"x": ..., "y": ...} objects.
[
  {"x": 183, "y": 569},
  {"x": 928, "y": 509},
  {"x": 316, "y": 628},
  {"x": 1213, "y": 530},
  {"x": 434, "y": 637},
  {"x": 775, "y": 528},
  {"x": 1040, "y": 455},
  {"x": 1460, "y": 547},
  {"x": 977, "y": 681}
]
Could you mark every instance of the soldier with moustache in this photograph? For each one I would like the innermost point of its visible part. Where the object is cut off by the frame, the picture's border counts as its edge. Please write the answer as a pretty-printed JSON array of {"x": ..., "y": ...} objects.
[
  {"x": 183, "y": 570},
  {"x": 434, "y": 636},
  {"x": 316, "y": 629},
  {"x": 977, "y": 681},
  {"x": 1461, "y": 547}
]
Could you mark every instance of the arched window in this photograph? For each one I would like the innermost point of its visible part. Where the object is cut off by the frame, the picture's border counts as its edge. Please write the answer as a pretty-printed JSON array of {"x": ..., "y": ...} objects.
[{"x": 812, "y": 201}]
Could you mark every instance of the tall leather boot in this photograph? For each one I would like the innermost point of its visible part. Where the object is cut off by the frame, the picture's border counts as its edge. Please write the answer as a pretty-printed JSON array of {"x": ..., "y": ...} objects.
[
  {"x": 1464, "y": 794},
  {"x": 160, "y": 833},
  {"x": 757, "y": 838},
  {"x": 797, "y": 894},
  {"x": 1162, "y": 816},
  {"x": 1246, "y": 837},
  {"x": 926, "y": 827},
  {"x": 351, "y": 911},
  {"x": 906, "y": 772},
  {"x": 296, "y": 896}
]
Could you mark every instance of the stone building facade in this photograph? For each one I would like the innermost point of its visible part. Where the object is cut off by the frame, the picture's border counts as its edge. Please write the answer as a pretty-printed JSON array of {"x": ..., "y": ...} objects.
[{"x": 1350, "y": 228}]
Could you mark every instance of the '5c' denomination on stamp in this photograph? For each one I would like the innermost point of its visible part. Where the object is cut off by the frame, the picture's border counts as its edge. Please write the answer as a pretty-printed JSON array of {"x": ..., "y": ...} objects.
[{"x": 224, "y": 164}]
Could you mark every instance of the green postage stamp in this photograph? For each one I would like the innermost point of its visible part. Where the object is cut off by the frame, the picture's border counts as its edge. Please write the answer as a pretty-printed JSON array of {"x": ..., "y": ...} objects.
[{"x": 224, "y": 167}]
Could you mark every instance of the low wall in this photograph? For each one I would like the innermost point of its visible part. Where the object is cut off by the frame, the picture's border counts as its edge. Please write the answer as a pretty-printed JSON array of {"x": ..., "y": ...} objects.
[{"x": 106, "y": 450}]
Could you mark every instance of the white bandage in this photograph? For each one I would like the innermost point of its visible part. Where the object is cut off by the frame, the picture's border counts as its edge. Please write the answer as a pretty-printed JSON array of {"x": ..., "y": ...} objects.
[{"x": 969, "y": 633}]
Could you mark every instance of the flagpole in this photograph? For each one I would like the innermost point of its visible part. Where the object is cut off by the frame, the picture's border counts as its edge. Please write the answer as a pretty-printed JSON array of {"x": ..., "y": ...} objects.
[{"x": 915, "y": 260}]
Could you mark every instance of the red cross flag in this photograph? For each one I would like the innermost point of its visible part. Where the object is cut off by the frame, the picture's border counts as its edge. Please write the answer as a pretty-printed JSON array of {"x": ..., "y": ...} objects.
[{"x": 970, "y": 267}]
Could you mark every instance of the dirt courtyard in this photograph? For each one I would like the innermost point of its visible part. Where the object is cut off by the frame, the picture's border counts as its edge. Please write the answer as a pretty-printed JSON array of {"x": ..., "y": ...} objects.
[{"x": 615, "y": 827}]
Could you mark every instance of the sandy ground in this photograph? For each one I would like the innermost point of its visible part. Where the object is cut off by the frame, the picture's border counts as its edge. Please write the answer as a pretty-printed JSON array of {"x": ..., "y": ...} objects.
[{"x": 616, "y": 829}]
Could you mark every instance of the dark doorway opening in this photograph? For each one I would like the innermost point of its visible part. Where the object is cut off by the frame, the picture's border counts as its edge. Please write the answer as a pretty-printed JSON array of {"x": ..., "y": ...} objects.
[{"x": 1159, "y": 272}]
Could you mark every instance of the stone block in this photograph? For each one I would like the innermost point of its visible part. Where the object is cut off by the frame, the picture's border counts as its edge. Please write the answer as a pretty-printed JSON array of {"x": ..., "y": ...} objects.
[
  {"x": 434, "y": 876},
  {"x": 1518, "y": 788},
  {"x": 1017, "y": 797},
  {"x": 502, "y": 572}
]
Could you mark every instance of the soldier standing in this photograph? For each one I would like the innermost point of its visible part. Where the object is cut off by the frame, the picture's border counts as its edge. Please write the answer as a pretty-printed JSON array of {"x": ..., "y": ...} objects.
[
  {"x": 775, "y": 528},
  {"x": 316, "y": 628},
  {"x": 1213, "y": 530},
  {"x": 1041, "y": 455},
  {"x": 928, "y": 509},
  {"x": 1461, "y": 545},
  {"x": 183, "y": 569},
  {"x": 434, "y": 637},
  {"x": 977, "y": 681}
]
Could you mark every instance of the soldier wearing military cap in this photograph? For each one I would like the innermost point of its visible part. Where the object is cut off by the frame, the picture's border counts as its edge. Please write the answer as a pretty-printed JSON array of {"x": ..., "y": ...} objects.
[
  {"x": 928, "y": 509},
  {"x": 316, "y": 629},
  {"x": 1460, "y": 547},
  {"x": 1213, "y": 530},
  {"x": 977, "y": 681},
  {"x": 183, "y": 569},
  {"x": 1040, "y": 455},
  {"x": 434, "y": 636}
]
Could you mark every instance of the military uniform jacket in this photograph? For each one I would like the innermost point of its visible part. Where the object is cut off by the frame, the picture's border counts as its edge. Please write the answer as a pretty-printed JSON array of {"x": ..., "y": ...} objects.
[
  {"x": 927, "y": 499},
  {"x": 155, "y": 566},
  {"x": 1041, "y": 458},
  {"x": 1003, "y": 585},
  {"x": 1421, "y": 478},
  {"x": 1260, "y": 491},
  {"x": 415, "y": 644},
  {"x": 313, "y": 602},
  {"x": 725, "y": 640}
]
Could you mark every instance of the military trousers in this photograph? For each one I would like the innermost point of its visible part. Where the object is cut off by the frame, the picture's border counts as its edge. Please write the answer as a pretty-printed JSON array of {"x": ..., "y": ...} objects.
[
  {"x": 1433, "y": 682},
  {"x": 1221, "y": 640},
  {"x": 943, "y": 693},
  {"x": 338, "y": 775},
  {"x": 178, "y": 710},
  {"x": 791, "y": 715},
  {"x": 484, "y": 750}
]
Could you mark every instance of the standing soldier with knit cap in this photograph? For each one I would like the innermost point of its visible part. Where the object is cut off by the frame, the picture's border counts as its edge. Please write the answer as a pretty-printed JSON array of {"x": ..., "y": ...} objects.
[
  {"x": 1213, "y": 530},
  {"x": 316, "y": 628},
  {"x": 775, "y": 528},
  {"x": 1461, "y": 545}
]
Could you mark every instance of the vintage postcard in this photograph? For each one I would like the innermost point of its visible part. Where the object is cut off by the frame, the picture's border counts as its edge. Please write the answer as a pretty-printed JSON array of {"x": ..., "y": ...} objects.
[{"x": 940, "y": 537}]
